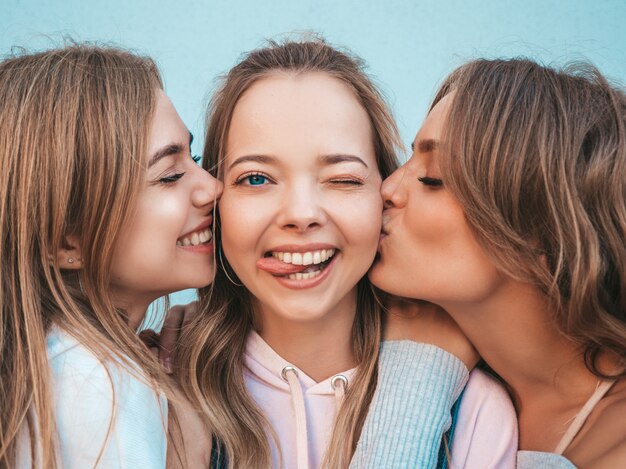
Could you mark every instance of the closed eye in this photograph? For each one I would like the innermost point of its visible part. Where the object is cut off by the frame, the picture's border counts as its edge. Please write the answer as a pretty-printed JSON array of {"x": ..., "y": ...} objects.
[
  {"x": 347, "y": 181},
  {"x": 428, "y": 181},
  {"x": 171, "y": 179}
]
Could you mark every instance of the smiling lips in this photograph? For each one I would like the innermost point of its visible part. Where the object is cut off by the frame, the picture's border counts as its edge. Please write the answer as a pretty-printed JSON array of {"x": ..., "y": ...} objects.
[
  {"x": 196, "y": 238},
  {"x": 296, "y": 265}
]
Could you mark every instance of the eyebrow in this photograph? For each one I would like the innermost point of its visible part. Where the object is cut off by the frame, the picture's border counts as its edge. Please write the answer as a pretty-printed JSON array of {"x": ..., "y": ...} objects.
[
  {"x": 168, "y": 150},
  {"x": 254, "y": 158},
  {"x": 341, "y": 158},
  {"x": 326, "y": 159},
  {"x": 426, "y": 146}
]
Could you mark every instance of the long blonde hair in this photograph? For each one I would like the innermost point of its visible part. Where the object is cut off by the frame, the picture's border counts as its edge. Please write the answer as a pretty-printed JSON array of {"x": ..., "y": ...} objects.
[
  {"x": 74, "y": 125},
  {"x": 213, "y": 347},
  {"x": 537, "y": 159}
]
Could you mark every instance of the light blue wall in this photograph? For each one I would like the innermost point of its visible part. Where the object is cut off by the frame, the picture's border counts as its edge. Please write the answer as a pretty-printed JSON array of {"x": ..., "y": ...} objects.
[{"x": 409, "y": 45}]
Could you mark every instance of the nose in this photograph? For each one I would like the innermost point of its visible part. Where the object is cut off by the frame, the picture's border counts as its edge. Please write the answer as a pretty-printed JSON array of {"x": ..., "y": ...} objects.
[
  {"x": 302, "y": 208},
  {"x": 392, "y": 189},
  {"x": 207, "y": 189}
]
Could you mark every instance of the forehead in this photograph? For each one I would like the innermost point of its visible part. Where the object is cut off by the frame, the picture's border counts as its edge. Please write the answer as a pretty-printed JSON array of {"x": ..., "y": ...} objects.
[
  {"x": 310, "y": 112},
  {"x": 167, "y": 127},
  {"x": 433, "y": 125},
  {"x": 300, "y": 88}
]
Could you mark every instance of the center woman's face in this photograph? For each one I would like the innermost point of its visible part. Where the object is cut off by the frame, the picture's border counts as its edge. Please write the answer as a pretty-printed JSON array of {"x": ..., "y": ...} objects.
[{"x": 301, "y": 209}]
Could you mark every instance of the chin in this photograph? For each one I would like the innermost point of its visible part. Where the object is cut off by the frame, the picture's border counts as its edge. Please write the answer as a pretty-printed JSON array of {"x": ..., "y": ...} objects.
[
  {"x": 390, "y": 284},
  {"x": 378, "y": 277},
  {"x": 305, "y": 314}
]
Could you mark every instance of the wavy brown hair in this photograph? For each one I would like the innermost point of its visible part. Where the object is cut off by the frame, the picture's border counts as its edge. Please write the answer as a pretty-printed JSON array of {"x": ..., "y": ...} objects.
[
  {"x": 537, "y": 159},
  {"x": 74, "y": 126},
  {"x": 214, "y": 345}
]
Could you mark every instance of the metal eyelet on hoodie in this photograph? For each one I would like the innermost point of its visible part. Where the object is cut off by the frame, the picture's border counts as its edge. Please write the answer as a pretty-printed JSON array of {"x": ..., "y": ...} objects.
[
  {"x": 286, "y": 370},
  {"x": 334, "y": 382},
  {"x": 339, "y": 383}
]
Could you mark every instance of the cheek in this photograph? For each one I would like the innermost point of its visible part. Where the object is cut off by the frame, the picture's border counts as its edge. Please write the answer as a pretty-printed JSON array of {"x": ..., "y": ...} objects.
[
  {"x": 153, "y": 230},
  {"x": 360, "y": 219},
  {"x": 242, "y": 220},
  {"x": 441, "y": 245},
  {"x": 434, "y": 230},
  {"x": 432, "y": 218},
  {"x": 473, "y": 272},
  {"x": 162, "y": 218}
]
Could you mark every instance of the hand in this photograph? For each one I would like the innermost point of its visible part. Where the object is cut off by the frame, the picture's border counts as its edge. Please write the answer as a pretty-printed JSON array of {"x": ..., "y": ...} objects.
[
  {"x": 151, "y": 339},
  {"x": 175, "y": 319},
  {"x": 427, "y": 323}
]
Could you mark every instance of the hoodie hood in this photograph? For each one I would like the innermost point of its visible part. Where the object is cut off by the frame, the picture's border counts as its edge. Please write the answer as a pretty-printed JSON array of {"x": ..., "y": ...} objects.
[
  {"x": 267, "y": 366},
  {"x": 301, "y": 411}
]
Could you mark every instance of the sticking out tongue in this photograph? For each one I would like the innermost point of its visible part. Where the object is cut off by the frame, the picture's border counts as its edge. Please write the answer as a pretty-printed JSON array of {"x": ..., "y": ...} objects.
[{"x": 277, "y": 267}]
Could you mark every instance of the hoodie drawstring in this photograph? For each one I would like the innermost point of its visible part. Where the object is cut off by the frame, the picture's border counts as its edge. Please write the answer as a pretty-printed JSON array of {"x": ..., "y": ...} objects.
[{"x": 290, "y": 374}]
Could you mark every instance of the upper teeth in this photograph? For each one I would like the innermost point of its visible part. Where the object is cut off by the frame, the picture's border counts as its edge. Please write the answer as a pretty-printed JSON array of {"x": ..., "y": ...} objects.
[
  {"x": 196, "y": 238},
  {"x": 304, "y": 258}
]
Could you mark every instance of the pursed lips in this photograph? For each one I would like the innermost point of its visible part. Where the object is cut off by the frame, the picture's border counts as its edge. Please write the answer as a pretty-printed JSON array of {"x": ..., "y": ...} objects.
[{"x": 384, "y": 226}]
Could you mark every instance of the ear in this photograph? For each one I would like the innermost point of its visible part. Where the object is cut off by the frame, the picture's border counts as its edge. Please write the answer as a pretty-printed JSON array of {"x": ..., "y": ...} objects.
[{"x": 70, "y": 255}]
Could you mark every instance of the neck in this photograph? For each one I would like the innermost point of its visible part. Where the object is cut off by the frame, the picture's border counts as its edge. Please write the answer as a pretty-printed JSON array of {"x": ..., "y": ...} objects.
[
  {"x": 514, "y": 333},
  {"x": 134, "y": 306},
  {"x": 320, "y": 347}
]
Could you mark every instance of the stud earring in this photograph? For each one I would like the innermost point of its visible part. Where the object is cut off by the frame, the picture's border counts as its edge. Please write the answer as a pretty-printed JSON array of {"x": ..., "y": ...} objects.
[{"x": 70, "y": 260}]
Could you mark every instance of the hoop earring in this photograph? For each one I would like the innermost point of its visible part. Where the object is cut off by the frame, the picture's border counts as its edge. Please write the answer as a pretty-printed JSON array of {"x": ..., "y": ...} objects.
[{"x": 219, "y": 254}]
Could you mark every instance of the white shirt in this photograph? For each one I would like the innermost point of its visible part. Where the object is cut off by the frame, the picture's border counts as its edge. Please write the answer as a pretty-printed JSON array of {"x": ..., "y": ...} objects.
[{"x": 104, "y": 413}]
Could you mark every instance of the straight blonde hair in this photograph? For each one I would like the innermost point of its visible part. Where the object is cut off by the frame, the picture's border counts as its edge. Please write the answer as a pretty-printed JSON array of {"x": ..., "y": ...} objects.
[
  {"x": 537, "y": 159},
  {"x": 74, "y": 126},
  {"x": 213, "y": 346}
]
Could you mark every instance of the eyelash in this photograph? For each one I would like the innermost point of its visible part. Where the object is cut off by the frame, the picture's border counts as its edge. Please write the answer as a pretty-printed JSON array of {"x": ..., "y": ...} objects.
[
  {"x": 240, "y": 180},
  {"x": 432, "y": 182},
  {"x": 171, "y": 179},
  {"x": 351, "y": 182},
  {"x": 175, "y": 177}
]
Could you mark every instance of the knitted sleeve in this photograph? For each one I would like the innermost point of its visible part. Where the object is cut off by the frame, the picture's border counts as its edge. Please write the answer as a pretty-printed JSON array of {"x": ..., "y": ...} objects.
[{"x": 417, "y": 387}]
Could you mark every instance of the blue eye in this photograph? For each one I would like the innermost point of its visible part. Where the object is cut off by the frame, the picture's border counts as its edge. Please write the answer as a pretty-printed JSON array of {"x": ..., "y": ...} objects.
[{"x": 256, "y": 179}]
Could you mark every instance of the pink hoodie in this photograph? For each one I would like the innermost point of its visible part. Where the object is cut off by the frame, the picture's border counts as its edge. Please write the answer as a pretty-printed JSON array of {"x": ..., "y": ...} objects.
[{"x": 302, "y": 412}]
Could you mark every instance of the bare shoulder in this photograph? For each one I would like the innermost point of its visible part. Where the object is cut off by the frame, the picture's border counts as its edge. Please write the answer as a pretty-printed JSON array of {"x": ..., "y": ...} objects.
[
  {"x": 602, "y": 441},
  {"x": 616, "y": 457}
]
